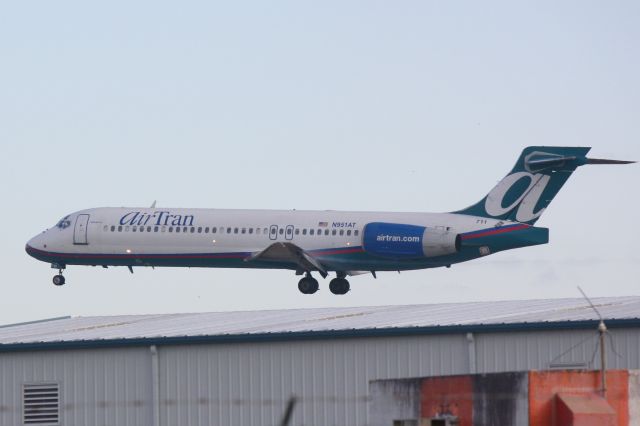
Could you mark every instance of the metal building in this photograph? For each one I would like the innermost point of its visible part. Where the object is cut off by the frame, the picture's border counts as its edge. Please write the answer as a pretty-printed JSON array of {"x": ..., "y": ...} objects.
[{"x": 240, "y": 368}]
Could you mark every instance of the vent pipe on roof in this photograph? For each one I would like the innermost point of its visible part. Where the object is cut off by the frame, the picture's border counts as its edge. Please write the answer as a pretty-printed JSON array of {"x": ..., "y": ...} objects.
[{"x": 602, "y": 330}]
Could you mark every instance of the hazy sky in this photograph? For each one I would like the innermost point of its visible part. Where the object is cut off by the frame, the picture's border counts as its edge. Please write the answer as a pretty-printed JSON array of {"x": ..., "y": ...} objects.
[{"x": 403, "y": 106}]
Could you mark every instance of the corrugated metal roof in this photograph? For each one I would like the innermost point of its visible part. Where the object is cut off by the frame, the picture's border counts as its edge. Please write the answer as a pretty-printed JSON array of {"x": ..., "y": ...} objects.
[{"x": 319, "y": 320}]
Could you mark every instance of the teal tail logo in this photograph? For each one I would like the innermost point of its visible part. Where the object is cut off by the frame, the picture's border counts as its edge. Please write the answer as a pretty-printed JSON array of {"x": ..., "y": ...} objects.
[{"x": 539, "y": 174}]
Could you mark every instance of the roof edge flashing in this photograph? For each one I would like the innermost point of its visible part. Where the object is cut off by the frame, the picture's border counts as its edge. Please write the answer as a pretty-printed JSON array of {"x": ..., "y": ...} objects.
[{"x": 315, "y": 335}]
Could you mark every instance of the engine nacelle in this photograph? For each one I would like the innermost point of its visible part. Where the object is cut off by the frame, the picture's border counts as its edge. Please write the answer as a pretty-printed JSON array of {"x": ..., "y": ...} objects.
[{"x": 408, "y": 241}]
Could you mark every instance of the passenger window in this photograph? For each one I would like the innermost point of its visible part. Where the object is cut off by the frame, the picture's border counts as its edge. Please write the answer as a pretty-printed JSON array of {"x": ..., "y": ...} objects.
[
  {"x": 119, "y": 228},
  {"x": 155, "y": 229},
  {"x": 171, "y": 229},
  {"x": 113, "y": 228},
  {"x": 281, "y": 231},
  {"x": 206, "y": 230},
  {"x": 134, "y": 228},
  {"x": 348, "y": 232},
  {"x": 356, "y": 232},
  {"x": 304, "y": 231},
  {"x": 289, "y": 231},
  {"x": 163, "y": 229},
  {"x": 333, "y": 232},
  {"x": 105, "y": 228},
  {"x": 148, "y": 229},
  {"x": 193, "y": 229},
  {"x": 228, "y": 230},
  {"x": 297, "y": 231},
  {"x": 244, "y": 230},
  {"x": 342, "y": 232},
  {"x": 326, "y": 232},
  {"x": 311, "y": 231},
  {"x": 235, "y": 230},
  {"x": 214, "y": 230},
  {"x": 185, "y": 229},
  {"x": 177, "y": 229},
  {"x": 126, "y": 228},
  {"x": 251, "y": 230},
  {"x": 199, "y": 229}
]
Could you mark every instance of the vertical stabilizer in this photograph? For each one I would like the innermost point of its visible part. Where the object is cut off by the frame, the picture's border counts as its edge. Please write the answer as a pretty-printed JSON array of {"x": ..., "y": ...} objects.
[{"x": 536, "y": 178}]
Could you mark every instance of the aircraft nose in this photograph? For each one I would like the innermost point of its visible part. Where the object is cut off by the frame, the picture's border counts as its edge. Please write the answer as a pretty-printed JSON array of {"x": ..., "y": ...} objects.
[{"x": 36, "y": 243}]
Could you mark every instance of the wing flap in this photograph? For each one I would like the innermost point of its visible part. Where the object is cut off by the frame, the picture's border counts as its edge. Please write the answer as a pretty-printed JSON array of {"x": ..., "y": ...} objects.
[{"x": 289, "y": 252}]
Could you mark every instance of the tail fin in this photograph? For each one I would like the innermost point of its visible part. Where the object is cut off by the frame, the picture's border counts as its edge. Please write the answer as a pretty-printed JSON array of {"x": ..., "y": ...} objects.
[{"x": 527, "y": 190}]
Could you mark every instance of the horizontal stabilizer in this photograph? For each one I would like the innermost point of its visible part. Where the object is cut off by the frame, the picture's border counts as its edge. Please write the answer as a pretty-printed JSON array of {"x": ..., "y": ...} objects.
[{"x": 603, "y": 161}]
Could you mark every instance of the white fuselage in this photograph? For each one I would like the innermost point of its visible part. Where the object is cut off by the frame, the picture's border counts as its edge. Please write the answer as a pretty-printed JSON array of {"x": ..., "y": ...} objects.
[{"x": 222, "y": 238}]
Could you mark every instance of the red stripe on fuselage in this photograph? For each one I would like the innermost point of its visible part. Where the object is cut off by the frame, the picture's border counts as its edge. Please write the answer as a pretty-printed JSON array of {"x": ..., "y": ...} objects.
[{"x": 489, "y": 232}]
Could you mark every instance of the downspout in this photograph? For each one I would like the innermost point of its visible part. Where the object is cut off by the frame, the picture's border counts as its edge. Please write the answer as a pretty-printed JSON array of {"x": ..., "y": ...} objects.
[
  {"x": 155, "y": 385},
  {"x": 471, "y": 346}
]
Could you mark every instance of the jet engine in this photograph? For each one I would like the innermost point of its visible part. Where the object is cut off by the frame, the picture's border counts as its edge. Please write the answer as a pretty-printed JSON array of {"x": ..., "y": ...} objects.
[{"x": 402, "y": 241}]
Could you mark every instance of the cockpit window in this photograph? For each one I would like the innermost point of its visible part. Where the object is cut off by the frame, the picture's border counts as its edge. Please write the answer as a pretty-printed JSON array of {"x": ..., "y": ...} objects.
[{"x": 64, "y": 223}]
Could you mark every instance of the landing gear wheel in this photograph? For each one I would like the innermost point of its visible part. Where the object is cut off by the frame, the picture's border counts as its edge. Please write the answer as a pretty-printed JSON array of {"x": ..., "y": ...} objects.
[
  {"x": 339, "y": 286},
  {"x": 308, "y": 285},
  {"x": 58, "y": 279}
]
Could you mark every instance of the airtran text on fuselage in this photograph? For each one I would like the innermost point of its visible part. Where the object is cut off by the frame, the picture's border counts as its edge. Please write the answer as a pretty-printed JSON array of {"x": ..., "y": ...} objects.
[{"x": 159, "y": 218}]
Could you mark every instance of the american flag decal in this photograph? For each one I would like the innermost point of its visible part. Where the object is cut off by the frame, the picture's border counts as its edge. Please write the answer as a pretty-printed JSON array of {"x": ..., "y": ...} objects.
[{"x": 323, "y": 224}]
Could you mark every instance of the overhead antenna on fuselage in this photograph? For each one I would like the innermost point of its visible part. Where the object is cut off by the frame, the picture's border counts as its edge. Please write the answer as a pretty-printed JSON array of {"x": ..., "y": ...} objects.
[{"x": 153, "y": 205}]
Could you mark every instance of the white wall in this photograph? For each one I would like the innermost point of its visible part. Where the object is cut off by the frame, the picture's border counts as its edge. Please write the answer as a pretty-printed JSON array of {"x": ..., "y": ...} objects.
[{"x": 249, "y": 383}]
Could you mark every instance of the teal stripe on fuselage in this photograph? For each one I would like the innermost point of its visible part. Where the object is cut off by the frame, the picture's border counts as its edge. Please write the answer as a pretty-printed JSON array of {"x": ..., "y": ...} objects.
[{"x": 473, "y": 245}]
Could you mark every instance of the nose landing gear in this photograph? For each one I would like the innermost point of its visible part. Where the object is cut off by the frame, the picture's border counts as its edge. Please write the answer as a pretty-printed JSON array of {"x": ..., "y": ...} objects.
[{"x": 58, "y": 280}]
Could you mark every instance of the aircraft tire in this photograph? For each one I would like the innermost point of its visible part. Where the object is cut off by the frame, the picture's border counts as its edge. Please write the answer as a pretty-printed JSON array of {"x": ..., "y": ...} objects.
[
  {"x": 308, "y": 285},
  {"x": 58, "y": 280},
  {"x": 339, "y": 286}
]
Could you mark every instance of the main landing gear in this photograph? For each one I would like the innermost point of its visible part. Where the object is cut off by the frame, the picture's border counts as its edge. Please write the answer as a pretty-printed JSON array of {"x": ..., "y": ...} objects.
[
  {"x": 338, "y": 285},
  {"x": 58, "y": 279},
  {"x": 308, "y": 284}
]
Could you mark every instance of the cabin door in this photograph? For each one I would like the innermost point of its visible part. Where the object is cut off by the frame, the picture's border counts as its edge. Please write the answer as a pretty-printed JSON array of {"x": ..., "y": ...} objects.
[
  {"x": 273, "y": 232},
  {"x": 80, "y": 230},
  {"x": 288, "y": 233}
]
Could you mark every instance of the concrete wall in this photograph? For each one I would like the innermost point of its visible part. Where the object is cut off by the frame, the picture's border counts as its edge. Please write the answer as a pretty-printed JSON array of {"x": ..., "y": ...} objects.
[
  {"x": 474, "y": 400},
  {"x": 544, "y": 387},
  {"x": 634, "y": 397},
  {"x": 534, "y": 398}
]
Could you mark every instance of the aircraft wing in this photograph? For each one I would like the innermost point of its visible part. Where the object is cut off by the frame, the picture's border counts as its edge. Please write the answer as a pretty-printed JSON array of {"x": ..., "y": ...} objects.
[{"x": 288, "y": 252}]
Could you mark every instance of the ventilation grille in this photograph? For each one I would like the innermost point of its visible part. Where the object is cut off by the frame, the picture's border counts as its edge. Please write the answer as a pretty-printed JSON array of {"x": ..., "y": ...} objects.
[{"x": 41, "y": 404}]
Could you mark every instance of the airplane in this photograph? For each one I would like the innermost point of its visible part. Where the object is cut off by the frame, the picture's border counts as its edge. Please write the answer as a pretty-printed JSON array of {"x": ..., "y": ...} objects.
[{"x": 346, "y": 243}]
